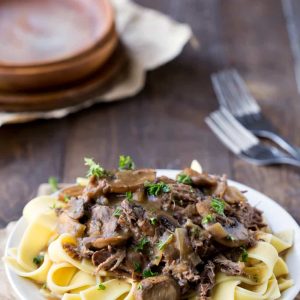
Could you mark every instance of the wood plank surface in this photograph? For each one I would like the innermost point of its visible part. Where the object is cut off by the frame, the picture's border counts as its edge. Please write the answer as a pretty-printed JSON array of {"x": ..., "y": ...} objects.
[{"x": 163, "y": 126}]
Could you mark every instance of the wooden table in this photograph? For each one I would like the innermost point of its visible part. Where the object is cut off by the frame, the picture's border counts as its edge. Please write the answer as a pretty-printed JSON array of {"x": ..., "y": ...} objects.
[{"x": 163, "y": 126}]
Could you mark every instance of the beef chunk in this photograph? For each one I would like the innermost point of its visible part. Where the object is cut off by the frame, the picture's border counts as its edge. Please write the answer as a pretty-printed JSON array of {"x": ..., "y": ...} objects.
[{"x": 227, "y": 266}]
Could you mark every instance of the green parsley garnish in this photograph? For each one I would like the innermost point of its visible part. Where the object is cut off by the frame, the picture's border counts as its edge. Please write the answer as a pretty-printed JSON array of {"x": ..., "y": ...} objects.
[
  {"x": 53, "y": 182},
  {"x": 153, "y": 221},
  {"x": 38, "y": 260},
  {"x": 154, "y": 189},
  {"x": 67, "y": 198},
  {"x": 137, "y": 267},
  {"x": 207, "y": 219},
  {"x": 139, "y": 286},
  {"x": 230, "y": 237},
  {"x": 148, "y": 273},
  {"x": 117, "y": 212},
  {"x": 126, "y": 163},
  {"x": 101, "y": 287},
  {"x": 244, "y": 255},
  {"x": 161, "y": 245},
  {"x": 53, "y": 206},
  {"x": 141, "y": 244},
  {"x": 94, "y": 169},
  {"x": 183, "y": 178},
  {"x": 44, "y": 286},
  {"x": 129, "y": 196},
  {"x": 218, "y": 205}
]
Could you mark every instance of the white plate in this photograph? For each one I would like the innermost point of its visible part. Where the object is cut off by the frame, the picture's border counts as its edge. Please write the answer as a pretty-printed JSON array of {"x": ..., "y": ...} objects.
[{"x": 276, "y": 216}]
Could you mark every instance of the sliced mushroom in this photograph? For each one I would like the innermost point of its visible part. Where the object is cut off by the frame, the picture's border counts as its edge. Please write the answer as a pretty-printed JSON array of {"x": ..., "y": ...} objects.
[
  {"x": 70, "y": 191},
  {"x": 75, "y": 208},
  {"x": 220, "y": 188},
  {"x": 157, "y": 287},
  {"x": 101, "y": 242},
  {"x": 167, "y": 220},
  {"x": 65, "y": 224},
  {"x": 131, "y": 180},
  {"x": 229, "y": 235},
  {"x": 233, "y": 195},
  {"x": 200, "y": 179}
]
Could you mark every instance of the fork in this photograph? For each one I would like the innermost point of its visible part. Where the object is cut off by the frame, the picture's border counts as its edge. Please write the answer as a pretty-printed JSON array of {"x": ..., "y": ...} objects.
[
  {"x": 232, "y": 93},
  {"x": 244, "y": 143}
]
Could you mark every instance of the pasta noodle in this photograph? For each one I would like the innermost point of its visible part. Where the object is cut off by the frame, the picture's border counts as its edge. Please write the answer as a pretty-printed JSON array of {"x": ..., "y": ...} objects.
[
  {"x": 264, "y": 275},
  {"x": 63, "y": 276}
]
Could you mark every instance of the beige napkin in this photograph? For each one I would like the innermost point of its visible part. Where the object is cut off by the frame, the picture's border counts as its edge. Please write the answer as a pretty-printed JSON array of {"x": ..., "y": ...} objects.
[{"x": 151, "y": 38}]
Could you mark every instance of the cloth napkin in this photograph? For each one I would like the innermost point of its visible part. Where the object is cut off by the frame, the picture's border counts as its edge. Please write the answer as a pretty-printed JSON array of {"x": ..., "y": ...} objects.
[{"x": 151, "y": 40}]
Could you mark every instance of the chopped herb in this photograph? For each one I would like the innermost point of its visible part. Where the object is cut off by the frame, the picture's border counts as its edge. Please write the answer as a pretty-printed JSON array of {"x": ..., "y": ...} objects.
[
  {"x": 148, "y": 273},
  {"x": 53, "y": 182},
  {"x": 67, "y": 198},
  {"x": 155, "y": 189},
  {"x": 126, "y": 163},
  {"x": 53, "y": 206},
  {"x": 44, "y": 286},
  {"x": 141, "y": 244},
  {"x": 101, "y": 287},
  {"x": 94, "y": 169},
  {"x": 230, "y": 237},
  {"x": 129, "y": 196},
  {"x": 207, "y": 219},
  {"x": 218, "y": 205},
  {"x": 244, "y": 255},
  {"x": 38, "y": 260},
  {"x": 153, "y": 221},
  {"x": 161, "y": 245},
  {"x": 137, "y": 267},
  {"x": 183, "y": 178},
  {"x": 139, "y": 286},
  {"x": 117, "y": 212}
]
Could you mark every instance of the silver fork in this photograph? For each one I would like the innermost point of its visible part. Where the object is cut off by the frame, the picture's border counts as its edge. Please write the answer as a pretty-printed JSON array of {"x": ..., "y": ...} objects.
[
  {"x": 232, "y": 93},
  {"x": 243, "y": 143}
]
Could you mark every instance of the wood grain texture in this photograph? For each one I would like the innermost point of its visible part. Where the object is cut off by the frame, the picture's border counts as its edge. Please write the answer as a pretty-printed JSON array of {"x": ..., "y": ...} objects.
[{"x": 163, "y": 126}]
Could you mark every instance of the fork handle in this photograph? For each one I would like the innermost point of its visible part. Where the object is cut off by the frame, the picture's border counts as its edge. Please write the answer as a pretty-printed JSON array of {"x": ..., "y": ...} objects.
[
  {"x": 280, "y": 141},
  {"x": 290, "y": 161}
]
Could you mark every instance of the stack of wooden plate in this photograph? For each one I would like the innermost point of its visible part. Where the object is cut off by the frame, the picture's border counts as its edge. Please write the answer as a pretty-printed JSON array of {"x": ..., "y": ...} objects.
[{"x": 55, "y": 53}]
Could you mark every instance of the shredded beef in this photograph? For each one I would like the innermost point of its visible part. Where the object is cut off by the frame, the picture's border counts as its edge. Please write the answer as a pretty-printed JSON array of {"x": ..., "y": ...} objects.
[
  {"x": 172, "y": 232},
  {"x": 227, "y": 266}
]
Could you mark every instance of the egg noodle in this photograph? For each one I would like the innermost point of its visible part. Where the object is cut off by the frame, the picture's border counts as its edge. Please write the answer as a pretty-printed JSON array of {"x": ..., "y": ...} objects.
[{"x": 60, "y": 275}]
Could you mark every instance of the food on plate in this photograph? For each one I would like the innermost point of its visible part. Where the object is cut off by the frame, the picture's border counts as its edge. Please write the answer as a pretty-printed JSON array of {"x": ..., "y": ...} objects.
[{"x": 129, "y": 234}]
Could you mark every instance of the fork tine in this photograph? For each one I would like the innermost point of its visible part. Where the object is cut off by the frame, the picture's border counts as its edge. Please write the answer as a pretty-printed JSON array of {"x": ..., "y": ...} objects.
[
  {"x": 249, "y": 99},
  {"x": 229, "y": 130},
  {"x": 222, "y": 136},
  {"x": 238, "y": 135},
  {"x": 248, "y": 135},
  {"x": 226, "y": 96},
  {"x": 229, "y": 86}
]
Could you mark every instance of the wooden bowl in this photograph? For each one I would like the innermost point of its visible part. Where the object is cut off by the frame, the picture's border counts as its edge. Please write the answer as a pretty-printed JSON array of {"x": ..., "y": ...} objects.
[
  {"x": 38, "y": 32},
  {"x": 79, "y": 92},
  {"x": 54, "y": 75}
]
